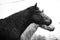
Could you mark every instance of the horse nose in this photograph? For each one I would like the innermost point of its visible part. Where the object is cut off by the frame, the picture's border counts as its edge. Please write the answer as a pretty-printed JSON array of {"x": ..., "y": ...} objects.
[
  {"x": 48, "y": 22},
  {"x": 49, "y": 28},
  {"x": 52, "y": 29}
]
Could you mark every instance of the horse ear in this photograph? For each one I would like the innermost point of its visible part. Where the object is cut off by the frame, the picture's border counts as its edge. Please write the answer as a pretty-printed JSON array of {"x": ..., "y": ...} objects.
[{"x": 35, "y": 5}]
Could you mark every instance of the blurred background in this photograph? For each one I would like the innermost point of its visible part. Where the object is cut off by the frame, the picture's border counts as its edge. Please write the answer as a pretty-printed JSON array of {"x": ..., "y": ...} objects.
[{"x": 50, "y": 7}]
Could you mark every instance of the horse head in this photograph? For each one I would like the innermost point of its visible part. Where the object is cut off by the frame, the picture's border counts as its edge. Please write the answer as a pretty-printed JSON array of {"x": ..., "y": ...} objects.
[{"x": 40, "y": 18}]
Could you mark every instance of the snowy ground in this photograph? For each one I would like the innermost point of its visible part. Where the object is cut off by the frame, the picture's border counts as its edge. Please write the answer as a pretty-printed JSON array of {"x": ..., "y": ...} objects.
[{"x": 51, "y": 8}]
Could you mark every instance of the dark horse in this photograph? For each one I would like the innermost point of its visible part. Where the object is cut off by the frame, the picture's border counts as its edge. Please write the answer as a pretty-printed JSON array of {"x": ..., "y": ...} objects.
[{"x": 13, "y": 26}]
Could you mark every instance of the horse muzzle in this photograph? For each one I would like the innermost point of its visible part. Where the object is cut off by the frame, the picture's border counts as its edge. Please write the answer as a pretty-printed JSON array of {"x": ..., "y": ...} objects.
[{"x": 49, "y": 28}]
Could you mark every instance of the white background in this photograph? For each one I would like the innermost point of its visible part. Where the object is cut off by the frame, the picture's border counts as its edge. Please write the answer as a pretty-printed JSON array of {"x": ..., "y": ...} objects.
[{"x": 50, "y": 7}]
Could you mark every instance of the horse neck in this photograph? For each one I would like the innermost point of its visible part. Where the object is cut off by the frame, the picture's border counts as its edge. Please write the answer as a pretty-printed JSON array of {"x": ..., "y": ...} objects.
[
  {"x": 21, "y": 19},
  {"x": 24, "y": 20}
]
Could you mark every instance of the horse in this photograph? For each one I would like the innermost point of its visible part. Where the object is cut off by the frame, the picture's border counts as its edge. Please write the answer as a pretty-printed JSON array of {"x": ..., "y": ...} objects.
[{"x": 14, "y": 25}]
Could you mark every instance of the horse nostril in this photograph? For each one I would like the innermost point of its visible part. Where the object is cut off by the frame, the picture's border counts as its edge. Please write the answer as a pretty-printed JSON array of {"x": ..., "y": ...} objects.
[
  {"x": 52, "y": 29},
  {"x": 48, "y": 23}
]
